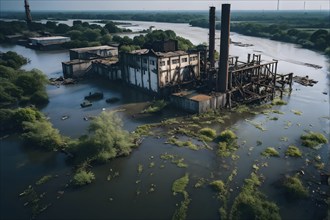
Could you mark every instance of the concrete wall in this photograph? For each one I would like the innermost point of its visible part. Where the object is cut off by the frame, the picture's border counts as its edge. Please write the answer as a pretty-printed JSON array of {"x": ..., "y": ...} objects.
[
  {"x": 45, "y": 42},
  {"x": 75, "y": 69},
  {"x": 93, "y": 53}
]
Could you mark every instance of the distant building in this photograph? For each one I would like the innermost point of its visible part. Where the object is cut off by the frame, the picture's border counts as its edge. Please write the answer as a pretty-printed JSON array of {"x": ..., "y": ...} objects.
[
  {"x": 155, "y": 71},
  {"x": 48, "y": 41},
  {"x": 88, "y": 53},
  {"x": 81, "y": 59}
]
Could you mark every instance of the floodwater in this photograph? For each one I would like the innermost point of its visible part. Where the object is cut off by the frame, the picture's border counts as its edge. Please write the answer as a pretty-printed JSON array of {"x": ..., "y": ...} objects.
[{"x": 117, "y": 199}]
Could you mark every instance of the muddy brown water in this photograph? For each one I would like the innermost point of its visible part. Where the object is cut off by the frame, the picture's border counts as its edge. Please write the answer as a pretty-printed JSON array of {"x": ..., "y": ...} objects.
[{"x": 117, "y": 199}]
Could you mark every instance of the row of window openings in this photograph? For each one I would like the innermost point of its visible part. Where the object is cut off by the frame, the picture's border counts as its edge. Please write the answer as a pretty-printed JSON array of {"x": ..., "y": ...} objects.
[{"x": 174, "y": 61}]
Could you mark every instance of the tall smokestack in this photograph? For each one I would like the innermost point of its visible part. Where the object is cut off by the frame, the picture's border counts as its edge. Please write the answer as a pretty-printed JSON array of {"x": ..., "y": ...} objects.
[
  {"x": 222, "y": 84},
  {"x": 27, "y": 12},
  {"x": 211, "y": 36}
]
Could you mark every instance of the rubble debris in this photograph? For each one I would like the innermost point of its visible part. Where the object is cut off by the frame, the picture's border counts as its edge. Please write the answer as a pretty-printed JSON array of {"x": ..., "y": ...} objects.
[
  {"x": 304, "y": 80},
  {"x": 61, "y": 81}
]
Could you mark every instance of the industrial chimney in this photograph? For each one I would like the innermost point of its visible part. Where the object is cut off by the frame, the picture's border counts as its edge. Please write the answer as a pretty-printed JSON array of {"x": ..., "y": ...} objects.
[
  {"x": 211, "y": 36},
  {"x": 27, "y": 12},
  {"x": 222, "y": 80}
]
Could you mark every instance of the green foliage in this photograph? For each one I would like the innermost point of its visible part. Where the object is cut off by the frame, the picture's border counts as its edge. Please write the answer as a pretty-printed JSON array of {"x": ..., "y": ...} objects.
[
  {"x": 270, "y": 152},
  {"x": 180, "y": 184},
  {"x": 219, "y": 185},
  {"x": 83, "y": 177},
  {"x": 188, "y": 144},
  {"x": 279, "y": 102},
  {"x": 227, "y": 144},
  {"x": 156, "y": 106},
  {"x": 293, "y": 151},
  {"x": 44, "y": 179},
  {"x": 12, "y": 59},
  {"x": 294, "y": 187},
  {"x": 312, "y": 139},
  {"x": 208, "y": 132},
  {"x": 252, "y": 204},
  {"x": 42, "y": 134},
  {"x": 106, "y": 139}
]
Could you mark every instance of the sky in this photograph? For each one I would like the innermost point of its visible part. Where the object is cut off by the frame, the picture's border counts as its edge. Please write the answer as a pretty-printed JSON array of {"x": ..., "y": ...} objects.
[{"x": 78, "y": 5}]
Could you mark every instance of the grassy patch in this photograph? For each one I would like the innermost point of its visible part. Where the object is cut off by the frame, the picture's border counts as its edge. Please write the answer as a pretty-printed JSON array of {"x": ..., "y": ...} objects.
[
  {"x": 140, "y": 168},
  {"x": 188, "y": 144},
  {"x": 242, "y": 109},
  {"x": 252, "y": 204},
  {"x": 270, "y": 152},
  {"x": 175, "y": 159},
  {"x": 218, "y": 185},
  {"x": 208, "y": 132},
  {"x": 200, "y": 182},
  {"x": 294, "y": 187},
  {"x": 44, "y": 179},
  {"x": 156, "y": 106},
  {"x": 256, "y": 125},
  {"x": 83, "y": 177},
  {"x": 227, "y": 144},
  {"x": 296, "y": 112},
  {"x": 143, "y": 129},
  {"x": 179, "y": 186},
  {"x": 312, "y": 139},
  {"x": 279, "y": 102},
  {"x": 293, "y": 151}
]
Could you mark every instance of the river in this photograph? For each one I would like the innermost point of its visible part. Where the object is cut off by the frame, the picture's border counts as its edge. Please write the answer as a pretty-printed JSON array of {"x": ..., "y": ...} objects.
[{"x": 117, "y": 198}]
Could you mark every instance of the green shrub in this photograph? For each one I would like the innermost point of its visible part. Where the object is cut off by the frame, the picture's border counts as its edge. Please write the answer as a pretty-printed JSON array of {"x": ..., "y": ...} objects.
[
  {"x": 83, "y": 177},
  {"x": 44, "y": 179},
  {"x": 293, "y": 151},
  {"x": 312, "y": 139},
  {"x": 156, "y": 106},
  {"x": 208, "y": 132},
  {"x": 270, "y": 152},
  {"x": 180, "y": 184},
  {"x": 227, "y": 136},
  {"x": 294, "y": 187},
  {"x": 219, "y": 186}
]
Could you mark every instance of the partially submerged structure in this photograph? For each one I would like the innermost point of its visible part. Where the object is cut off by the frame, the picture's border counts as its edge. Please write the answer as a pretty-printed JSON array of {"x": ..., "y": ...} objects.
[
  {"x": 191, "y": 79},
  {"x": 48, "y": 41}
]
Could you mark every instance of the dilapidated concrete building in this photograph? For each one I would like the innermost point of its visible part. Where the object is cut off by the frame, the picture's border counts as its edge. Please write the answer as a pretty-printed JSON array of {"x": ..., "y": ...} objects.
[
  {"x": 81, "y": 59},
  {"x": 156, "y": 71}
]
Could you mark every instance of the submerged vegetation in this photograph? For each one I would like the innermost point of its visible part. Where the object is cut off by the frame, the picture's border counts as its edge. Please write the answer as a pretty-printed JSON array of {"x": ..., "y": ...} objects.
[
  {"x": 313, "y": 140},
  {"x": 293, "y": 151},
  {"x": 83, "y": 177},
  {"x": 227, "y": 144},
  {"x": 270, "y": 152},
  {"x": 294, "y": 187},
  {"x": 156, "y": 106},
  {"x": 179, "y": 186},
  {"x": 250, "y": 202}
]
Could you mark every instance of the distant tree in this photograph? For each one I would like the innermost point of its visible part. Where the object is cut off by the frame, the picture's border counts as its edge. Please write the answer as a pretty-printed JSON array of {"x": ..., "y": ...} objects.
[
  {"x": 112, "y": 28},
  {"x": 75, "y": 34},
  {"x": 91, "y": 35},
  {"x": 62, "y": 28}
]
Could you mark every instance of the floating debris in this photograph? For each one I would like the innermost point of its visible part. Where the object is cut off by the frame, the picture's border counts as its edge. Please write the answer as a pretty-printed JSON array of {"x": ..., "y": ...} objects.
[{"x": 304, "y": 80}]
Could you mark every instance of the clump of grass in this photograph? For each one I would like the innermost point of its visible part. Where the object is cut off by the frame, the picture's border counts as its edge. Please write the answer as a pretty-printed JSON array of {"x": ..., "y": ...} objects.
[
  {"x": 219, "y": 185},
  {"x": 256, "y": 125},
  {"x": 270, "y": 152},
  {"x": 227, "y": 136},
  {"x": 140, "y": 168},
  {"x": 200, "y": 182},
  {"x": 293, "y": 151},
  {"x": 278, "y": 112},
  {"x": 44, "y": 179},
  {"x": 179, "y": 143},
  {"x": 156, "y": 106},
  {"x": 208, "y": 132},
  {"x": 312, "y": 139},
  {"x": 241, "y": 109},
  {"x": 279, "y": 102},
  {"x": 251, "y": 203},
  {"x": 143, "y": 129},
  {"x": 179, "y": 186},
  {"x": 296, "y": 112},
  {"x": 175, "y": 159},
  {"x": 294, "y": 187},
  {"x": 170, "y": 121},
  {"x": 83, "y": 177},
  {"x": 227, "y": 144},
  {"x": 274, "y": 118},
  {"x": 152, "y": 164}
]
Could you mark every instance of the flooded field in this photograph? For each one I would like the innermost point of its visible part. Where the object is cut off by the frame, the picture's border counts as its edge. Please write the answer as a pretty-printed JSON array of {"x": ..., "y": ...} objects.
[{"x": 140, "y": 186}]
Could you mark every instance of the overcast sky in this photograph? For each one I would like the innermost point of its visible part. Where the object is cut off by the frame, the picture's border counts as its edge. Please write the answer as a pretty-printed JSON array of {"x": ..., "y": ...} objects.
[{"x": 38, "y": 5}]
